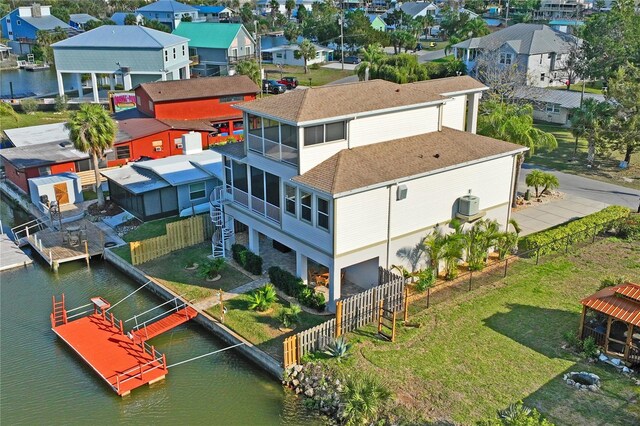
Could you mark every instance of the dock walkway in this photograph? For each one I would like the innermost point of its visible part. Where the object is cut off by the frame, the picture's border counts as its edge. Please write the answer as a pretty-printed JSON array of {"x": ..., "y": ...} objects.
[{"x": 10, "y": 254}]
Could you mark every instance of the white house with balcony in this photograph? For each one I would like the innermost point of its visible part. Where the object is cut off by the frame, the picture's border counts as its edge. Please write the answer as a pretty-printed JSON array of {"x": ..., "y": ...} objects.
[{"x": 346, "y": 175}]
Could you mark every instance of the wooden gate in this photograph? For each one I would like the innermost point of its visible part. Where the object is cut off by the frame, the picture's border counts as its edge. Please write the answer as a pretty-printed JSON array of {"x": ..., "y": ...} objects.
[
  {"x": 291, "y": 351},
  {"x": 61, "y": 193}
]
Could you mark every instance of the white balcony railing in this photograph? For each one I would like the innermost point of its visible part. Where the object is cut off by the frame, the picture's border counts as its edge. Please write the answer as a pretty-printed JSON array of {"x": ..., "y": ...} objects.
[
  {"x": 273, "y": 149},
  {"x": 258, "y": 206}
]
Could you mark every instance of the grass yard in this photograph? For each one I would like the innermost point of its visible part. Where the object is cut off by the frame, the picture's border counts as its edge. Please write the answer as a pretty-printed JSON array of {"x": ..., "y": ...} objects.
[
  {"x": 151, "y": 229},
  {"x": 565, "y": 160},
  {"x": 319, "y": 77},
  {"x": 481, "y": 351},
  {"x": 262, "y": 328},
  {"x": 170, "y": 271},
  {"x": 591, "y": 87},
  {"x": 35, "y": 119}
]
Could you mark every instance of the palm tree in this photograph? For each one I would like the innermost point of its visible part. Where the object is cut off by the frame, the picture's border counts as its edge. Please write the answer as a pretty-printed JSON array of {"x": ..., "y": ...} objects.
[
  {"x": 476, "y": 28},
  {"x": 93, "y": 131},
  {"x": 513, "y": 123},
  {"x": 275, "y": 8},
  {"x": 453, "y": 250},
  {"x": 588, "y": 122},
  {"x": 479, "y": 239},
  {"x": 306, "y": 51},
  {"x": 434, "y": 249},
  {"x": 289, "y": 6},
  {"x": 508, "y": 240},
  {"x": 536, "y": 179},
  {"x": 429, "y": 21},
  {"x": 251, "y": 69}
]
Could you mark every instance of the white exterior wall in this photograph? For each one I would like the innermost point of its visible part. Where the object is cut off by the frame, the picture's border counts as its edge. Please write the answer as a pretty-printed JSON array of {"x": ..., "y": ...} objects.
[
  {"x": 551, "y": 117},
  {"x": 313, "y": 155},
  {"x": 454, "y": 112},
  {"x": 309, "y": 232},
  {"x": 383, "y": 127},
  {"x": 430, "y": 200}
]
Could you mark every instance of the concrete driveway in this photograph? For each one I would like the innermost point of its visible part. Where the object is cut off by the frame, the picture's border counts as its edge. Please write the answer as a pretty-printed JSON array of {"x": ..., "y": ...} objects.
[{"x": 338, "y": 66}]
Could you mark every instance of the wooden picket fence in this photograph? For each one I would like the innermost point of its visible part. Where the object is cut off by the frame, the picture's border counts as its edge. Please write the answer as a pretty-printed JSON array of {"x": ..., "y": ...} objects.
[
  {"x": 351, "y": 313},
  {"x": 180, "y": 234}
]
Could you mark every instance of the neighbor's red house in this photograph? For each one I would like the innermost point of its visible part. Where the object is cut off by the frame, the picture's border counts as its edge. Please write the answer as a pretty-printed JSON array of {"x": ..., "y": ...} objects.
[{"x": 165, "y": 110}]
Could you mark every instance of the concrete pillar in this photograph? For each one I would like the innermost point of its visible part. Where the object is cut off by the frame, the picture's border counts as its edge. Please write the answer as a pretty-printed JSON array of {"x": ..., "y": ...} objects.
[
  {"x": 301, "y": 266},
  {"x": 79, "y": 83},
  {"x": 254, "y": 240},
  {"x": 187, "y": 74},
  {"x": 468, "y": 54},
  {"x": 112, "y": 81},
  {"x": 163, "y": 76},
  {"x": 472, "y": 112},
  {"x": 60, "y": 83},
  {"x": 126, "y": 80},
  {"x": 94, "y": 87},
  {"x": 335, "y": 285}
]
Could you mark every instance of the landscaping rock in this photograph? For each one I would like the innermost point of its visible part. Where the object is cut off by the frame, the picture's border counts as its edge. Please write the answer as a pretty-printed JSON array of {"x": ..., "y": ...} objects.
[
  {"x": 309, "y": 392},
  {"x": 615, "y": 361},
  {"x": 570, "y": 382},
  {"x": 593, "y": 388},
  {"x": 295, "y": 382},
  {"x": 297, "y": 368},
  {"x": 603, "y": 357}
]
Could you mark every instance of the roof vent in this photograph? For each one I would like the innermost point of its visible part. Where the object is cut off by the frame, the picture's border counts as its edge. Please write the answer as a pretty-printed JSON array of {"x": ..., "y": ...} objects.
[{"x": 64, "y": 144}]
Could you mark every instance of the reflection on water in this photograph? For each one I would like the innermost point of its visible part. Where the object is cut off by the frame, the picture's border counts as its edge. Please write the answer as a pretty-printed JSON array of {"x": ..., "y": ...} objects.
[{"x": 30, "y": 83}]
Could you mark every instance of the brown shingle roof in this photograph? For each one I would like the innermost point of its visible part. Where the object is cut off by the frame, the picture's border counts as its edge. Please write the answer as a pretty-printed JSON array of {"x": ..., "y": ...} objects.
[
  {"x": 347, "y": 99},
  {"x": 364, "y": 166},
  {"x": 207, "y": 87},
  {"x": 619, "y": 302}
]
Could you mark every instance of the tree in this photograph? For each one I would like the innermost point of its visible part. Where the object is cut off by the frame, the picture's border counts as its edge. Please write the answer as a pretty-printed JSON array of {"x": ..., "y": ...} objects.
[
  {"x": 475, "y": 28},
  {"x": 513, "y": 123},
  {"x": 274, "y": 5},
  {"x": 306, "y": 52},
  {"x": 44, "y": 40},
  {"x": 302, "y": 13},
  {"x": 453, "y": 249},
  {"x": 434, "y": 249},
  {"x": 539, "y": 179},
  {"x": 251, "y": 69},
  {"x": 624, "y": 93},
  {"x": 590, "y": 122},
  {"x": 292, "y": 31},
  {"x": 6, "y": 110},
  {"x": 92, "y": 131},
  {"x": 289, "y": 5},
  {"x": 611, "y": 39},
  {"x": 503, "y": 80},
  {"x": 246, "y": 14},
  {"x": 130, "y": 19},
  {"x": 157, "y": 25},
  {"x": 186, "y": 18}
]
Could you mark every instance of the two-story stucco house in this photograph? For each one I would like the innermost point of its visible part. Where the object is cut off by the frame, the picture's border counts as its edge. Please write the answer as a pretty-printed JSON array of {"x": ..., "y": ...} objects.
[
  {"x": 346, "y": 175},
  {"x": 538, "y": 50},
  {"x": 215, "y": 48},
  {"x": 130, "y": 54}
]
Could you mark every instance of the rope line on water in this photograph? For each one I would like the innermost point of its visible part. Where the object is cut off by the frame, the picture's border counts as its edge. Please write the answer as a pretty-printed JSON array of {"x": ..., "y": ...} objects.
[
  {"x": 202, "y": 356},
  {"x": 127, "y": 296}
]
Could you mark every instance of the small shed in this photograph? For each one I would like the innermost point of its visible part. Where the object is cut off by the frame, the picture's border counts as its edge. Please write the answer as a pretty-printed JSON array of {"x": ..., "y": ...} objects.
[
  {"x": 64, "y": 188},
  {"x": 611, "y": 316}
]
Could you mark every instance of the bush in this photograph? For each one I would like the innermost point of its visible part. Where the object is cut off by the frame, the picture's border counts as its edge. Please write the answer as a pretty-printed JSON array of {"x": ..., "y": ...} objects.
[
  {"x": 611, "y": 281},
  {"x": 629, "y": 229},
  {"x": 210, "y": 268},
  {"x": 518, "y": 415},
  {"x": 262, "y": 298},
  {"x": 338, "y": 348},
  {"x": 290, "y": 316},
  {"x": 315, "y": 66},
  {"x": 589, "y": 347},
  {"x": 294, "y": 286},
  {"x": 61, "y": 103},
  {"x": 250, "y": 261},
  {"x": 555, "y": 239},
  {"x": 426, "y": 279},
  {"x": 363, "y": 398},
  {"x": 29, "y": 106}
]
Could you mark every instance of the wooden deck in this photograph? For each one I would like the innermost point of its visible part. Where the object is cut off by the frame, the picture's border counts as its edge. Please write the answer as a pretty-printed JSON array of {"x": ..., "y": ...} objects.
[
  {"x": 10, "y": 254},
  {"x": 55, "y": 247}
]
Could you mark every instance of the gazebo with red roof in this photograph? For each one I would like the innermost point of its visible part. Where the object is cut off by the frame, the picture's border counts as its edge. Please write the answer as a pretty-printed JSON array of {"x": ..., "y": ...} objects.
[{"x": 612, "y": 317}]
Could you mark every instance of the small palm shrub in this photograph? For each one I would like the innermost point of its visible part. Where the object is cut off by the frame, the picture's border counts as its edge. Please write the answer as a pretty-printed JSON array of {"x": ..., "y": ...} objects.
[
  {"x": 506, "y": 243},
  {"x": 338, "y": 348},
  {"x": 363, "y": 400},
  {"x": 210, "y": 268},
  {"x": 29, "y": 105},
  {"x": 426, "y": 279},
  {"x": 539, "y": 179},
  {"x": 519, "y": 415},
  {"x": 262, "y": 298},
  {"x": 290, "y": 316}
]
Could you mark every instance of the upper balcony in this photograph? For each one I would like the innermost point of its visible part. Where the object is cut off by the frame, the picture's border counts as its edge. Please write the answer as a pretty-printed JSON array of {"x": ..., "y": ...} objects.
[
  {"x": 274, "y": 140},
  {"x": 254, "y": 204}
]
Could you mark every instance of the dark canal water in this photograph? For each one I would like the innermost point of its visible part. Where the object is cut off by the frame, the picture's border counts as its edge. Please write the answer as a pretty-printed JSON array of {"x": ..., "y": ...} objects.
[
  {"x": 29, "y": 83},
  {"x": 44, "y": 382}
]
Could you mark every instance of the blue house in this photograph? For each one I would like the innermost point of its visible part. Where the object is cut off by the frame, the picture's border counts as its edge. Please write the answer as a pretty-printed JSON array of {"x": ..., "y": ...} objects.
[
  {"x": 215, "y": 13},
  {"x": 79, "y": 20},
  {"x": 118, "y": 17},
  {"x": 21, "y": 26},
  {"x": 169, "y": 12}
]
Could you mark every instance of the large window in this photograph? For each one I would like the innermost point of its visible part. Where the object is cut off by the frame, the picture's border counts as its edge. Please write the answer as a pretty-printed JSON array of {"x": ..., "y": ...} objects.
[
  {"x": 290, "y": 199},
  {"x": 306, "y": 200},
  {"x": 323, "y": 213},
  {"x": 255, "y": 125},
  {"x": 240, "y": 176},
  {"x": 227, "y": 99},
  {"x": 271, "y": 129},
  {"x": 123, "y": 152},
  {"x": 506, "y": 58},
  {"x": 289, "y": 135},
  {"x": 197, "y": 191},
  {"x": 257, "y": 183},
  {"x": 553, "y": 108},
  {"x": 324, "y": 133}
]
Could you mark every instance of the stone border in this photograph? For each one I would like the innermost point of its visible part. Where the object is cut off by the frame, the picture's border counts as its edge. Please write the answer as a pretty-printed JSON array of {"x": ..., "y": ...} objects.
[{"x": 227, "y": 335}]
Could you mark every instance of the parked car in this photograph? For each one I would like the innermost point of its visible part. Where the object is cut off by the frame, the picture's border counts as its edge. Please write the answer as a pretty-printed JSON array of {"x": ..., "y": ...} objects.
[
  {"x": 272, "y": 86},
  {"x": 352, "y": 60},
  {"x": 290, "y": 82}
]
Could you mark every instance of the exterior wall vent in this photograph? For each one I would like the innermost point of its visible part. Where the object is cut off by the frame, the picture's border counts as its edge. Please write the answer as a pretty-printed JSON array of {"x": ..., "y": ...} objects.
[{"x": 401, "y": 192}]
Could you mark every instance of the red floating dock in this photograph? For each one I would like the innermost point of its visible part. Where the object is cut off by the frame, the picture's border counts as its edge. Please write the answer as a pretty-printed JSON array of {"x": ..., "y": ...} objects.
[{"x": 125, "y": 363}]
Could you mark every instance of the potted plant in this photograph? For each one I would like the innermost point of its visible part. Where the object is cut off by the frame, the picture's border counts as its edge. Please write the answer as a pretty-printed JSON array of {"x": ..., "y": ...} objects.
[{"x": 210, "y": 269}]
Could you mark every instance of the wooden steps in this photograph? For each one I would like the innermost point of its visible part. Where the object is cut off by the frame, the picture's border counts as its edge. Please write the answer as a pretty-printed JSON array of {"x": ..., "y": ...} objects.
[{"x": 165, "y": 324}]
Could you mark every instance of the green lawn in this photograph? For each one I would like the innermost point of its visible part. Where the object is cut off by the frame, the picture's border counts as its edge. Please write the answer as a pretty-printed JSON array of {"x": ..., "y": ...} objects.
[
  {"x": 566, "y": 160},
  {"x": 482, "y": 350},
  {"x": 170, "y": 271},
  {"x": 35, "y": 119},
  {"x": 591, "y": 87},
  {"x": 151, "y": 229},
  {"x": 319, "y": 77},
  {"x": 262, "y": 328}
]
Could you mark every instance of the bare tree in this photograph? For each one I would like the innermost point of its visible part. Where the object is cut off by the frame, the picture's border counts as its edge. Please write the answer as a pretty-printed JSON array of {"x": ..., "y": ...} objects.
[{"x": 504, "y": 76}]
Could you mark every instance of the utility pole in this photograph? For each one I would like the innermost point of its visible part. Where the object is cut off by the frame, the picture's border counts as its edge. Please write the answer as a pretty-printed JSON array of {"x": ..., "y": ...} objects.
[
  {"x": 584, "y": 83},
  {"x": 259, "y": 52},
  {"x": 342, "y": 34}
]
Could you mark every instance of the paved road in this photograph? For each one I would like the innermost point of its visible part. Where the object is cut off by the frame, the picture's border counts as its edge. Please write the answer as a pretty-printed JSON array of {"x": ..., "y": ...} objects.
[
  {"x": 431, "y": 55},
  {"x": 350, "y": 79},
  {"x": 588, "y": 188}
]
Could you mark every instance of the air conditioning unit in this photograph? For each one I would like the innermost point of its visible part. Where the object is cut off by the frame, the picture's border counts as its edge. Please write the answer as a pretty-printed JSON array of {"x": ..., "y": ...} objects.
[
  {"x": 468, "y": 205},
  {"x": 157, "y": 148},
  {"x": 179, "y": 145}
]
